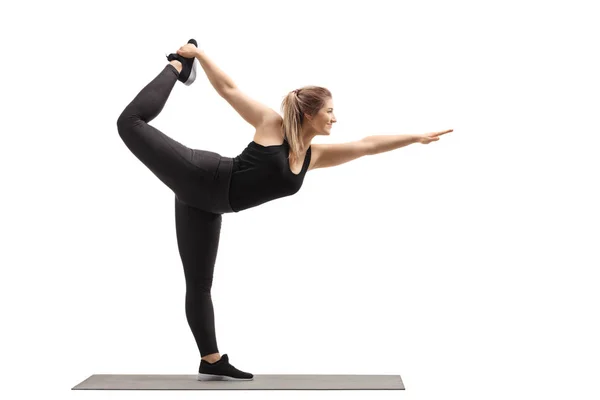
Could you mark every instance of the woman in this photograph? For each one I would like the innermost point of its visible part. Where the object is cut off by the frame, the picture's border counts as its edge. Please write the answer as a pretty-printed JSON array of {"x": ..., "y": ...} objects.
[{"x": 207, "y": 185}]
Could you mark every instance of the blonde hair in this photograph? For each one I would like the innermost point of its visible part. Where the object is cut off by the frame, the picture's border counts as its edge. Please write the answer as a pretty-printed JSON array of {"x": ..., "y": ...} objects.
[{"x": 306, "y": 100}]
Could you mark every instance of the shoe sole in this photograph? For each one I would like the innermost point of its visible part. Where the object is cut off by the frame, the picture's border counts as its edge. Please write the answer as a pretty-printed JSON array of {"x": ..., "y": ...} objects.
[
  {"x": 192, "y": 76},
  {"x": 209, "y": 377}
]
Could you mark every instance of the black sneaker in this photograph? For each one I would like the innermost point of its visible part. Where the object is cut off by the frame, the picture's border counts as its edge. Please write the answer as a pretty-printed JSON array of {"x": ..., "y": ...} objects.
[
  {"x": 188, "y": 66},
  {"x": 221, "y": 371}
]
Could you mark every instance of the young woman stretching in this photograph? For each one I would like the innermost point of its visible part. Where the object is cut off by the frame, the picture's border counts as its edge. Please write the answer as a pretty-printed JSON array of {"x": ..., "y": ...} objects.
[{"x": 207, "y": 185}]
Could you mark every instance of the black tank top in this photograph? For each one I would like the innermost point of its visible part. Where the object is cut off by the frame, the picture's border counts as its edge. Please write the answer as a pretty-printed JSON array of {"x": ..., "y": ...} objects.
[{"x": 262, "y": 173}]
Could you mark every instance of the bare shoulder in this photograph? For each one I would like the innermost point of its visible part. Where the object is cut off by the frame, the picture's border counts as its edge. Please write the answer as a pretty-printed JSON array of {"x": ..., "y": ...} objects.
[{"x": 270, "y": 132}]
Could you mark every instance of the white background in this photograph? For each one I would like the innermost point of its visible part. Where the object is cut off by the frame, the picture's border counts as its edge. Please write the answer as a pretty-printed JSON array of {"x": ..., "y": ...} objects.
[{"x": 467, "y": 266}]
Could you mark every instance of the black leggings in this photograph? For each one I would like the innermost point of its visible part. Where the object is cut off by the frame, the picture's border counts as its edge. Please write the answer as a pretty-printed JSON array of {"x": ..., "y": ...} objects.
[{"x": 200, "y": 181}]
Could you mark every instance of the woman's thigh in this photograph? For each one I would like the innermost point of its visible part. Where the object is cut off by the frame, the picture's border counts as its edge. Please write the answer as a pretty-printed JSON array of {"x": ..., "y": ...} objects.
[
  {"x": 198, "y": 234},
  {"x": 199, "y": 178},
  {"x": 212, "y": 181}
]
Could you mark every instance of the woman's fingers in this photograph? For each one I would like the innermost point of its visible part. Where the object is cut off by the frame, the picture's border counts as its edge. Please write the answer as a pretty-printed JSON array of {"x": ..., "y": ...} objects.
[
  {"x": 433, "y": 137},
  {"x": 188, "y": 50},
  {"x": 443, "y": 132}
]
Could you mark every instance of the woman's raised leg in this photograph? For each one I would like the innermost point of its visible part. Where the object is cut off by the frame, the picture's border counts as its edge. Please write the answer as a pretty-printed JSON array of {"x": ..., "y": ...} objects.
[
  {"x": 199, "y": 178},
  {"x": 169, "y": 160}
]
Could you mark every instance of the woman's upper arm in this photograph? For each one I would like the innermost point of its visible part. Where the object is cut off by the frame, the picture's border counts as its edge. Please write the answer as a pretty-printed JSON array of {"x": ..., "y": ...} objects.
[
  {"x": 330, "y": 155},
  {"x": 253, "y": 111}
]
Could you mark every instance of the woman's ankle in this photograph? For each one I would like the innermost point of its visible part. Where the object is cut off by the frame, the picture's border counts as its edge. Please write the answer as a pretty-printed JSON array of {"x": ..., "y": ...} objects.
[
  {"x": 176, "y": 64},
  {"x": 212, "y": 358}
]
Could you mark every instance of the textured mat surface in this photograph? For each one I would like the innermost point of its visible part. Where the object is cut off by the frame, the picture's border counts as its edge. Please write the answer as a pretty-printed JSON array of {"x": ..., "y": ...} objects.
[{"x": 260, "y": 382}]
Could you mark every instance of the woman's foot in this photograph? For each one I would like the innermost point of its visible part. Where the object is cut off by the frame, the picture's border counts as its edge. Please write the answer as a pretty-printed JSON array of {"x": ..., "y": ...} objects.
[
  {"x": 187, "y": 74},
  {"x": 221, "y": 371}
]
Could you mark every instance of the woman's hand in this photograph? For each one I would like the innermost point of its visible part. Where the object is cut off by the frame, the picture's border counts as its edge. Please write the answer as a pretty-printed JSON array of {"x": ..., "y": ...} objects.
[
  {"x": 426, "y": 138},
  {"x": 188, "y": 51}
]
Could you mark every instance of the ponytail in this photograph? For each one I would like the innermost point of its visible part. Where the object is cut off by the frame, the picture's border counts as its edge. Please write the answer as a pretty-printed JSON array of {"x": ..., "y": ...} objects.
[{"x": 292, "y": 122}]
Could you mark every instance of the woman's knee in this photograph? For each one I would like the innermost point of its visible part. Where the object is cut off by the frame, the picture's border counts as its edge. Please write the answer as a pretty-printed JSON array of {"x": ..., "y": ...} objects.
[{"x": 126, "y": 122}]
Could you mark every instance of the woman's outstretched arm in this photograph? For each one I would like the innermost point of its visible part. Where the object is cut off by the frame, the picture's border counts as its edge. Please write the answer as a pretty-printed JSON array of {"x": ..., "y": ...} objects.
[{"x": 331, "y": 155}]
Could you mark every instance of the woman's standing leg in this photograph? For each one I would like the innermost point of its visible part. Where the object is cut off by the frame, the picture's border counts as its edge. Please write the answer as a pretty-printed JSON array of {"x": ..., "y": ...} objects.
[{"x": 198, "y": 234}]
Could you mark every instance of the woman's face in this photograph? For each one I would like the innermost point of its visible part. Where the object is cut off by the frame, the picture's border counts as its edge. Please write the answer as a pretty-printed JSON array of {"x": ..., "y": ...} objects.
[{"x": 324, "y": 119}]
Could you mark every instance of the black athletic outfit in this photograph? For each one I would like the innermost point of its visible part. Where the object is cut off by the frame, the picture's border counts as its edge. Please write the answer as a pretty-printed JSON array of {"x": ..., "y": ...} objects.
[{"x": 206, "y": 185}]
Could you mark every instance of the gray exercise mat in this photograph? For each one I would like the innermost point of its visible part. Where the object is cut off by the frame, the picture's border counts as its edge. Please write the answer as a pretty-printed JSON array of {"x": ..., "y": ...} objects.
[{"x": 260, "y": 382}]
